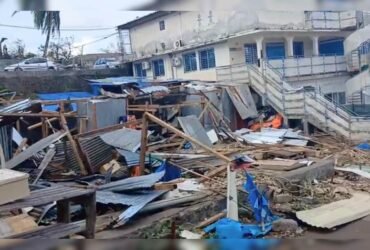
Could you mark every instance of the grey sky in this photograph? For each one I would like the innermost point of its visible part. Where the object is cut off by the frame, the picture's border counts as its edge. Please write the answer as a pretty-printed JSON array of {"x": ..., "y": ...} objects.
[{"x": 100, "y": 15}]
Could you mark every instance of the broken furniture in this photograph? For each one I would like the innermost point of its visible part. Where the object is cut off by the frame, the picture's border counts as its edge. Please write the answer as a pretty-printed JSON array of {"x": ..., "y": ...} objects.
[
  {"x": 63, "y": 196},
  {"x": 13, "y": 185}
]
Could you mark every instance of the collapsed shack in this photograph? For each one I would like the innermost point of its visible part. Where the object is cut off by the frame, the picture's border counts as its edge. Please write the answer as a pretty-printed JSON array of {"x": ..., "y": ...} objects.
[{"x": 171, "y": 154}]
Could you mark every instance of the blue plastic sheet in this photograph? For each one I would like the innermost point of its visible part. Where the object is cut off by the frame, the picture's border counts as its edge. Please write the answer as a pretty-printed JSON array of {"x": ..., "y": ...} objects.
[
  {"x": 364, "y": 146},
  {"x": 230, "y": 229},
  {"x": 258, "y": 202},
  {"x": 172, "y": 172},
  {"x": 63, "y": 96}
]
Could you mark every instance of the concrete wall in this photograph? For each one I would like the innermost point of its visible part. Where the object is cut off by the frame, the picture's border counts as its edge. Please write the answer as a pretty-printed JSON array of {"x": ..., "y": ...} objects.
[
  {"x": 27, "y": 84},
  {"x": 6, "y": 62},
  {"x": 329, "y": 84},
  {"x": 355, "y": 39},
  {"x": 358, "y": 82},
  {"x": 222, "y": 58},
  {"x": 197, "y": 27}
]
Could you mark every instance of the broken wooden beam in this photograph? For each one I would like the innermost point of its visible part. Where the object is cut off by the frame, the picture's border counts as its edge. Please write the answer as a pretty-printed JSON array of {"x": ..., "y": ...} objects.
[
  {"x": 63, "y": 123},
  {"x": 186, "y": 137}
]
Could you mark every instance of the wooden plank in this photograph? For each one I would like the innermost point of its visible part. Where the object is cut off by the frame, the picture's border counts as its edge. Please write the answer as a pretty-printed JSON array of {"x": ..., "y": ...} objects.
[
  {"x": 44, "y": 163},
  {"x": 45, "y": 196},
  {"x": 74, "y": 147},
  {"x": 211, "y": 220},
  {"x": 186, "y": 137},
  {"x": 21, "y": 146},
  {"x": 144, "y": 141},
  {"x": 90, "y": 210},
  {"x": 63, "y": 211},
  {"x": 56, "y": 231},
  {"x": 282, "y": 165}
]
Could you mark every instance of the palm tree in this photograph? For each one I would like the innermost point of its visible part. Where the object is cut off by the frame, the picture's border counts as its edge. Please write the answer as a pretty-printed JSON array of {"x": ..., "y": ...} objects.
[
  {"x": 48, "y": 22},
  {"x": 1, "y": 44}
]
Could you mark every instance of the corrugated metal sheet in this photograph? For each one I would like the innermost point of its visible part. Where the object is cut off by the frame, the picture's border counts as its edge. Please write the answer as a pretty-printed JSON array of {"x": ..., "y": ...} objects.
[
  {"x": 64, "y": 155},
  {"x": 136, "y": 202},
  {"x": 145, "y": 181},
  {"x": 192, "y": 127},
  {"x": 128, "y": 139},
  {"x": 19, "y": 106},
  {"x": 337, "y": 213},
  {"x": 97, "y": 152},
  {"x": 134, "y": 209},
  {"x": 34, "y": 148},
  {"x": 153, "y": 89},
  {"x": 131, "y": 158},
  {"x": 102, "y": 113},
  {"x": 107, "y": 197},
  {"x": 243, "y": 101}
]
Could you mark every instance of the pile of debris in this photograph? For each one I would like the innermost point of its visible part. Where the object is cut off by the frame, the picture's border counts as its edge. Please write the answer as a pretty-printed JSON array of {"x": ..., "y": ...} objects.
[{"x": 172, "y": 167}]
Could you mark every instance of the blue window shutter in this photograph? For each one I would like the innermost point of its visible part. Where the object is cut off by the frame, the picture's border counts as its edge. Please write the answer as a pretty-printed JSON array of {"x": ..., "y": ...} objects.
[
  {"x": 158, "y": 67},
  {"x": 298, "y": 49},
  {"x": 275, "y": 50},
  {"x": 140, "y": 72},
  {"x": 190, "y": 62},
  {"x": 207, "y": 59},
  {"x": 332, "y": 47},
  {"x": 250, "y": 51}
]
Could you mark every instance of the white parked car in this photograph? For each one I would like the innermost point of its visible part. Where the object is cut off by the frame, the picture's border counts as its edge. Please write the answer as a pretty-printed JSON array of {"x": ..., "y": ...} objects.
[
  {"x": 33, "y": 64},
  {"x": 106, "y": 63}
]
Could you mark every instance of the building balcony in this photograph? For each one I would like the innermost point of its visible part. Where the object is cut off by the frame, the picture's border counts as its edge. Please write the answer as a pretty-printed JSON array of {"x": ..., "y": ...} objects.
[{"x": 306, "y": 66}]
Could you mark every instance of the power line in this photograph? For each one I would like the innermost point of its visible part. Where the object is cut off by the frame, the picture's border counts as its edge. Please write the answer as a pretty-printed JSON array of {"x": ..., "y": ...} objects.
[
  {"x": 63, "y": 29},
  {"x": 95, "y": 41}
]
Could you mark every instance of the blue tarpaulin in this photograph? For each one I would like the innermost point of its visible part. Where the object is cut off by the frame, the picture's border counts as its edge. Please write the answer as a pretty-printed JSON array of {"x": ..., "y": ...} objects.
[
  {"x": 63, "y": 96},
  {"x": 258, "y": 202},
  {"x": 364, "y": 146},
  {"x": 230, "y": 229},
  {"x": 172, "y": 172}
]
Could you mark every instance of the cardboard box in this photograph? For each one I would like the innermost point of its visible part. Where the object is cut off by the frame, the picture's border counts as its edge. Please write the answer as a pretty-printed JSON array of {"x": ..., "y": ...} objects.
[{"x": 13, "y": 186}]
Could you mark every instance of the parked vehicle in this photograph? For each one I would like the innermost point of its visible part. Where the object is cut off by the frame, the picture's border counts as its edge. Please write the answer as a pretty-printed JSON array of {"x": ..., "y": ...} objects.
[
  {"x": 106, "y": 63},
  {"x": 33, "y": 64}
]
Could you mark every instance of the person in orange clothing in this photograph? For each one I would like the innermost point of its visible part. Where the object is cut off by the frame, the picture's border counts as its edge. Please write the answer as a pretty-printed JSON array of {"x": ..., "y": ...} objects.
[{"x": 277, "y": 122}]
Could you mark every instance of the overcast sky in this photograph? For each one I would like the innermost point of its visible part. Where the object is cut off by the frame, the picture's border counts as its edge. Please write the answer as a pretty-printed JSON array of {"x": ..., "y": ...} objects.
[{"x": 101, "y": 16}]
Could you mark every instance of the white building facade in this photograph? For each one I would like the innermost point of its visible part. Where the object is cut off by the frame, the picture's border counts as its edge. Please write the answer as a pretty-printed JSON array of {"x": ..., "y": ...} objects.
[{"x": 307, "y": 48}]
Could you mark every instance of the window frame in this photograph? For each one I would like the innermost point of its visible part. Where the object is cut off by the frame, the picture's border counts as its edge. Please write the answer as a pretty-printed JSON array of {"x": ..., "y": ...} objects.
[
  {"x": 143, "y": 71},
  {"x": 296, "y": 43},
  {"x": 162, "y": 25},
  {"x": 208, "y": 58},
  {"x": 280, "y": 45},
  {"x": 157, "y": 61},
  {"x": 193, "y": 61}
]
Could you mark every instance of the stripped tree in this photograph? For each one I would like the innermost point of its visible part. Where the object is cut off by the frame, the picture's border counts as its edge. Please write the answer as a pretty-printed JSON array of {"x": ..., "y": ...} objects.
[{"x": 49, "y": 23}]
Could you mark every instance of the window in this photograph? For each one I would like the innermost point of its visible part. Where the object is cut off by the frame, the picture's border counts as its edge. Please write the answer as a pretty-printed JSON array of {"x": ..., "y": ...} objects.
[
  {"x": 158, "y": 67},
  {"x": 190, "y": 62},
  {"x": 162, "y": 25},
  {"x": 139, "y": 71},
  {"x": 207, "y": 59},
  {"x": 298, "y": 49},
  {"x": 331, "y": 47},
  {"x": 275, "y": 51},
  {"x": 337, "y": 97},
  {"x": 251, "y": 53}
]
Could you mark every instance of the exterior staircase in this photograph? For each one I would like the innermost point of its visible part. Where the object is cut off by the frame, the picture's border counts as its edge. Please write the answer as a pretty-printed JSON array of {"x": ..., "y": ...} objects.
[{"x": 297, "y": 103}]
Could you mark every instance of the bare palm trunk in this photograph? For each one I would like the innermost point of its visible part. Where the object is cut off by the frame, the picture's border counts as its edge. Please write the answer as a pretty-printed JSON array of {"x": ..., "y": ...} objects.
[
  {"x": 1, "y": 50},
  {"x": 46, "y": 47}
]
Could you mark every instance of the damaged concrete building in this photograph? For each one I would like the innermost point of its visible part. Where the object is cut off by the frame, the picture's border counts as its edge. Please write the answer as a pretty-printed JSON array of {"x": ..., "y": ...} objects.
[{"x": 309, "y": 66}]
